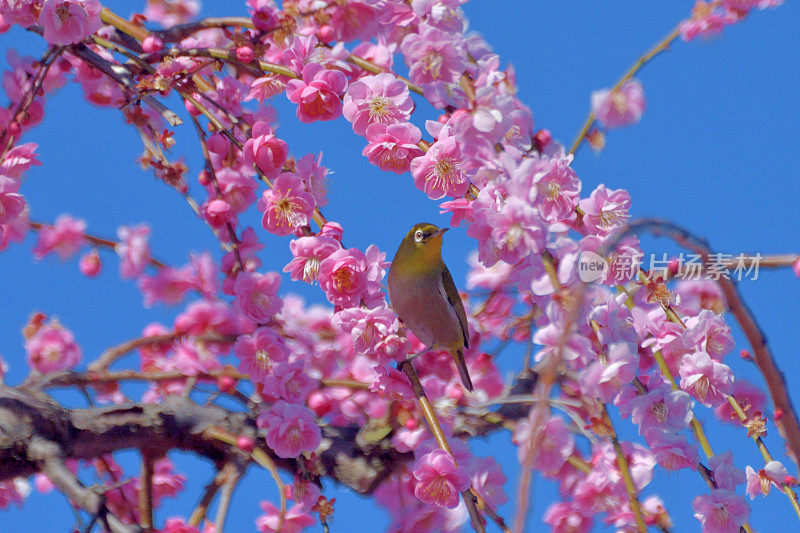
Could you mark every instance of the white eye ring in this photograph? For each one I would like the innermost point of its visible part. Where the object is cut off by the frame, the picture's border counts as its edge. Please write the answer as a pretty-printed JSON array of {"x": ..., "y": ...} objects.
[{"x": 418, "y": 235}]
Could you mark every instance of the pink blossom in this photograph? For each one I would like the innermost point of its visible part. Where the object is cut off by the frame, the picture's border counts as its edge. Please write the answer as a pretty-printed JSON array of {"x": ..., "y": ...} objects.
[
  {"x": 217, "y": 213},
  {"x": 286, "y": 205},
  {"x": 291, "y": 429},
  {"x": 381, "y": 99},
  {"x": 52, "y": 349},
  {"x": 554, "y": 444},
  {"x": 22, "y": 12},
  {"x": 488, "y": 481},
  {"x": 439, "y": 479},
  {"x": 565, "y": 517},
  {"x": 673, "y": 452},
  {"x": 295, "y": 520},
  {"x": 441, "y": 171},
  {"x": 604, "y": 380},
  {"x": 758, "y": 484},
  {"x": 308, "y": 253},
  {"x": 177, "y": 525},
  {"x": 660, "y": 408},
  {"x": 707, "y": 380},
  {"x": 621, "y": 107},
  {"x": 18, "y": 160},
  {"x": 317, "y": 94},
  {"x": 293, "y": 383},
  {"x": 69, "y": 21},
  {"x": 516, "y": 231},
  {"x": 90, "y": 264},
  {"x": 726, "y": 475},
  {"x": 165, "y": 482},
  {"x": 696, "y": 295},
  {"x": 557, "y": 189},
  {"x": 207, "y": 317},
  {"x": 461, "y": 209},
  {"x": 343, "y": 277},
  {"x": 264, "y": 88},
  {"x": 368, "y": 327},
  {"x": 237, "y": 189},
  {"x": 171, "y": 12},
  {"x": 310, "y": 169},
  {"x": 257, "y": 295},
  {"x": 706, "y": 21},
  {"x": 605, "y": 210},
  {"x": 259, "y": 353},
  {"x": 721, "y": 511},
  {"x": 391, "y": 384},
  {"x": 746, "y": 394},
  {"x": 65, "y": 237},
  {"x": 168, "y": 285},
  {"x": 708, "y": 332},
  {"x": 13, "y": 491},
  {"x": 393, "y": 147},
  {"x": 133, "y": 250},
  {"x": 11, "y": 203},
  {"x": 353, "y": 20},
  {"x": 434, "y": 55},
  {"x": 265, "y": 150}
]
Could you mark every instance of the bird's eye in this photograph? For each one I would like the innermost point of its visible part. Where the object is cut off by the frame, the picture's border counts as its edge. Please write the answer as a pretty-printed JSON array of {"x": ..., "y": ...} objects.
[{"x": 418, "y": 235}]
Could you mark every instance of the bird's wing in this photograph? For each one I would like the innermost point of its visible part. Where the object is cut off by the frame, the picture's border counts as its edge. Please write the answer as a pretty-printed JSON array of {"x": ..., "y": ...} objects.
[{"x": 456, "y": 303}]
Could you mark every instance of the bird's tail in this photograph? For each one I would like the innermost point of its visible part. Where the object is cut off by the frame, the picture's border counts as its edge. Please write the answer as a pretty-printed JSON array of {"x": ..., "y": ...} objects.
[{"x": 461, "y": 365}]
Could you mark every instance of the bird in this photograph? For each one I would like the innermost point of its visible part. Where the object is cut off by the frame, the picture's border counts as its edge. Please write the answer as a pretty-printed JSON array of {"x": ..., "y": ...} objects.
[{"x": 424, "y": 297}]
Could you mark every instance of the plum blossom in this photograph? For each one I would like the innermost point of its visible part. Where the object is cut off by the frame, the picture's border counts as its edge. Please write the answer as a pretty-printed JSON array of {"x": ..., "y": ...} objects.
[
  {"x": 672, "y": 452},
  {"x": 310, "y": 169},
  {"x": 368, "y": 327},
  {"x": 605, "y": 210},
  {"x": 90, "y": 264},
  {"x": 488, "y": 481},
  {"x": 308, "y": 254},
  {"x": 759, "y": 483},
  {"x": 380, "y": 99},
  {"x": 438, "y": 479},
  {"x": 557, "y": 189},
  {"x": 69, "y": 21},
  {"x": 706, "y": 21},
  {"x": 291, "y": 429},
  {"x": 393, "y": 147},
  {"x": 259, "y": 353},
  {"x": 265, "y": 150},
  {"x": 295, "y": 520},
  {"x": 18, "y": 160},
  {"x": 722, "y": 511},
  {"x": 257, "y": 295},
  {"x": 11, "y": 202},
  {"x": 286, "y": 205},
  {"x": 567, "y": 517},
  {"x": 52, "y": 349},
  {"x": 660, "y": 408},
  {"x": 441, "y": 171},
  {"x": 434, "y": 55},
  {"x": 620, "y": 107},
  {"x": 133, "y": 250},
  {"x": 343, "y": 277},
  {"x": 554, "y": 444},
  {"x": 709, "y": 381},
  {"x": 726, "y": 475},
  {"x": 65, "y": 237},
  {"x": 171, "y": 12},
  {"x": 317, "y": 94}
]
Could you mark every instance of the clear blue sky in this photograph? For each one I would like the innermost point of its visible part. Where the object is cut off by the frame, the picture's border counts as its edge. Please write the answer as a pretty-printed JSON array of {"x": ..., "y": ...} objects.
[{"x": 715, "y": 151}]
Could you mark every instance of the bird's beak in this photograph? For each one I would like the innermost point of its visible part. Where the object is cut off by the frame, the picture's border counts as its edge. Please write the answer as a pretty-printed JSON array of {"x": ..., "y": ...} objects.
[{"x": 440, "y": 232}]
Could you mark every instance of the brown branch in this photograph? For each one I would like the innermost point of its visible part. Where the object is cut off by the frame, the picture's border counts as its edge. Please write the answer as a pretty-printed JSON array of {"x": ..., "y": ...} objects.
[
  {"x": 48, "y": 457},
  {"x": 146, "y": 493}
]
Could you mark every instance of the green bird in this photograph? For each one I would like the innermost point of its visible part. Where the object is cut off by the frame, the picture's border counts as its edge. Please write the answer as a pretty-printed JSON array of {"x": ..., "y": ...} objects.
[{"x": 424, "y": 296}]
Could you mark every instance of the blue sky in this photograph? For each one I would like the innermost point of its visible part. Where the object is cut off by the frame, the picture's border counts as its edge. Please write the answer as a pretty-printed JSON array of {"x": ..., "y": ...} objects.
[{"x": 715, "y": 151}]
